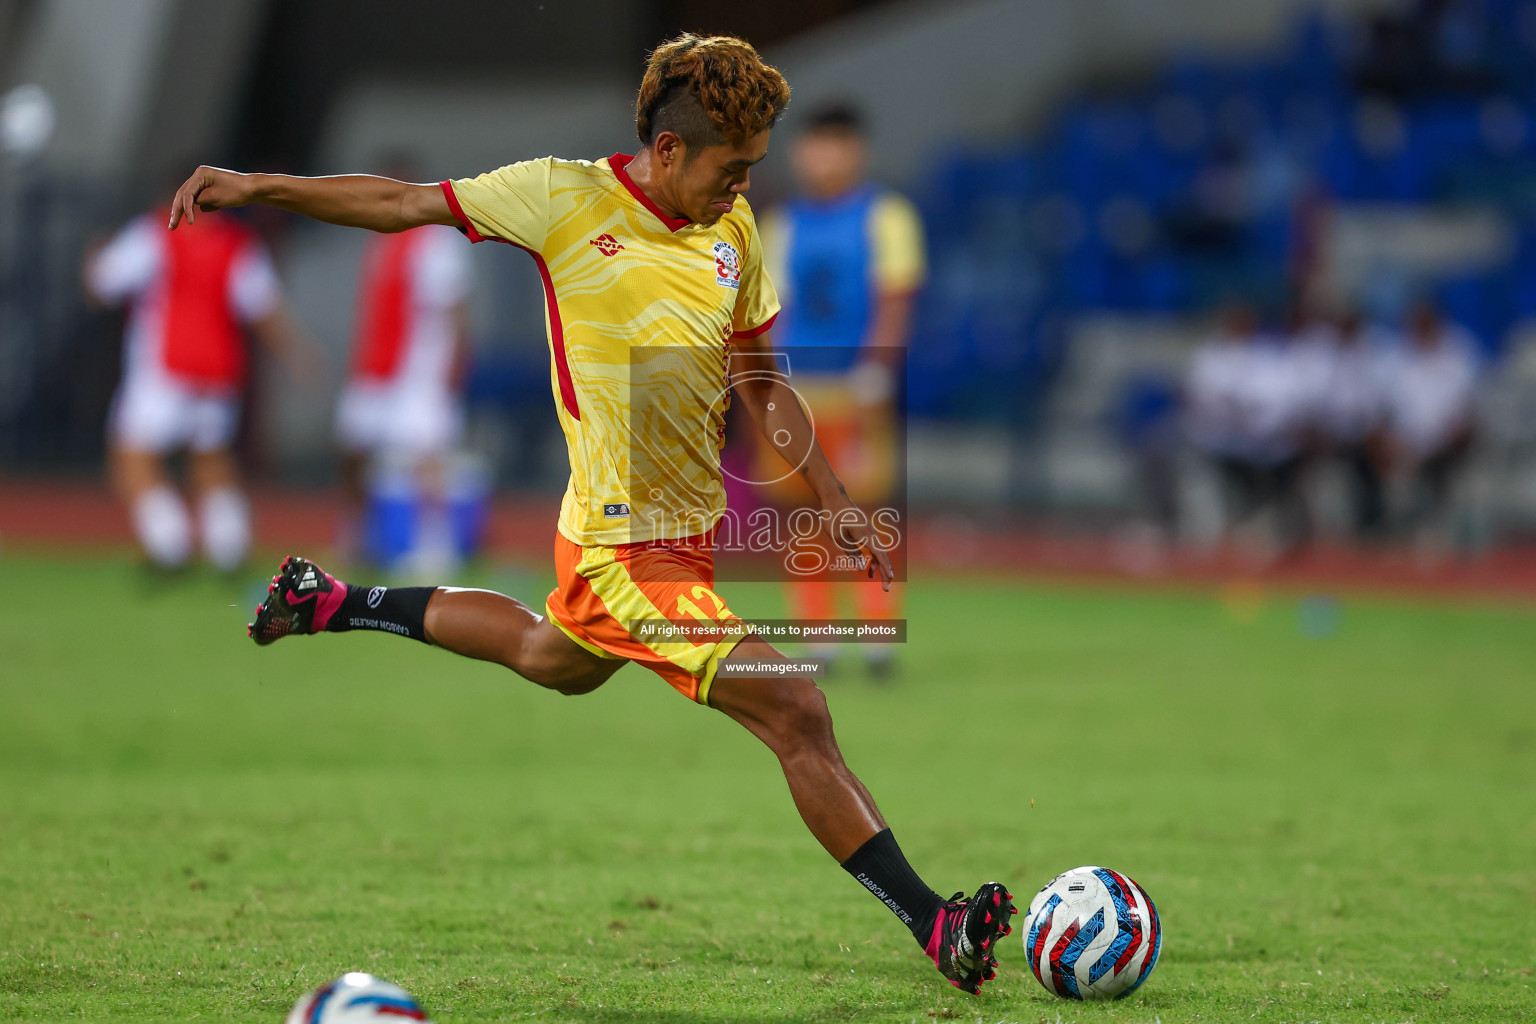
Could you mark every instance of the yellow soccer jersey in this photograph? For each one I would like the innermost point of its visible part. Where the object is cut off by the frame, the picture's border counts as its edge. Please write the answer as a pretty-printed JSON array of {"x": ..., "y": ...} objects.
[{"x": 640, "y": 309}]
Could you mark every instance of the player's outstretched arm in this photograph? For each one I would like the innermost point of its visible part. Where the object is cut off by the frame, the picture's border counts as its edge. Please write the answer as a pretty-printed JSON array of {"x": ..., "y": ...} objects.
[
  {"x": 351, "y": 200},
  {"x": 776, "y": 409}
]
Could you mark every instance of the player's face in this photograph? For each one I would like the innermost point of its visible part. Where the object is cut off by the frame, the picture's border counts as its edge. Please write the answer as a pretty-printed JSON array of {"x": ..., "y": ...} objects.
[
  {"x": 707, "y": 184},
  {"x": 828, "y": 163}
]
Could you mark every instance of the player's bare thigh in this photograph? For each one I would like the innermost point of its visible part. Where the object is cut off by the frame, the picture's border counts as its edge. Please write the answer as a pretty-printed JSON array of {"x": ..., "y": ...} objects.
[
  {"x": 494, "y": 627},
  {"x": 562, "y": 664}
]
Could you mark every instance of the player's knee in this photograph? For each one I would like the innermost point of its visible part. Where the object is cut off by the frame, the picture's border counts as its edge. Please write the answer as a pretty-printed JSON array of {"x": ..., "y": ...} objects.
[{"x": 799, "y": 719}]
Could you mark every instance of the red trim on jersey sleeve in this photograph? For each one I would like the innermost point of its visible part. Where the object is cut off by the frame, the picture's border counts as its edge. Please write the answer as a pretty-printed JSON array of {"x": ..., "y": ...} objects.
[
  {"x": 458, "y": 213},
  {"x": 760, "y": 329},
  {"x": 556, "y": 328},
  {"x": 618, "y": 162},
  {"x": 557, "y": 338}
]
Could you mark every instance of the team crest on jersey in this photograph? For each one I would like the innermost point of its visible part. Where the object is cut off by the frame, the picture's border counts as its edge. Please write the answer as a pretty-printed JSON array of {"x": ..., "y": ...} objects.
[{"x": 727, "y": 265}]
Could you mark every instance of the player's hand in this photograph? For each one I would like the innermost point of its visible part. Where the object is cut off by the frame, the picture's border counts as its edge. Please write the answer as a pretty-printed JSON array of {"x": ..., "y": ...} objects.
[
  {"x": 209, "y": 188},
  {"x": 853, "y": 532}
]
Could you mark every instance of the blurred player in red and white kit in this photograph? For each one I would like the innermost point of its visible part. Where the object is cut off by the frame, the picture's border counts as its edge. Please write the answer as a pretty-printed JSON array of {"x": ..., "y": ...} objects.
[
  {"x": 403, "y": 396},
  {"x": 185, "y": 364}
]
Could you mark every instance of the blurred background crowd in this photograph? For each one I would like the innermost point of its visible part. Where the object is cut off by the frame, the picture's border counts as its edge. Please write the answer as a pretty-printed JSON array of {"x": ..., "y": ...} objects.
[{"x": 1201, "y": 276}]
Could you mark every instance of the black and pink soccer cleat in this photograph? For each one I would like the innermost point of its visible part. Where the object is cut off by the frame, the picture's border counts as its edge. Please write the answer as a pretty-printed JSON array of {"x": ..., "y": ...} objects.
[
  {"x": 301, "y": 599},
  {"x": 964, "y": 943}
]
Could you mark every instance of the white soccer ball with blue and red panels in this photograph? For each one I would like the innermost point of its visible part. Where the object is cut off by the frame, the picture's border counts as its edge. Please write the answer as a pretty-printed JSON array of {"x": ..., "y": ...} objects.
[
  {"x": 1092, "y": 933},
  {"x": 357, "y": 998}
]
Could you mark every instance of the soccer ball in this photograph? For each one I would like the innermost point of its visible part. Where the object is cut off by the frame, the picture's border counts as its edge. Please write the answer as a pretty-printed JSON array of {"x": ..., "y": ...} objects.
[
  {"x": 355, "y": 998},
  {"x": 1092, "y": 933}
]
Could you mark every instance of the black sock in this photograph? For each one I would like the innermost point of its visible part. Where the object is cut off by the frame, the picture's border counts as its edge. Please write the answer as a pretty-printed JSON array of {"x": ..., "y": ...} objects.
[
  {"x": 399, "y": 610},
  {"x": 880, "y": 867}
]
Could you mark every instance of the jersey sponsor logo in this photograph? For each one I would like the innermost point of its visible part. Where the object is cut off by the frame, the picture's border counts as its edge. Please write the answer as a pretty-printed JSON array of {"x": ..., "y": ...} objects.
[
  {"x": 375, "y": 597},
  {"x": 727, "y": 265},
  {"x": 606, "y": 244},
  {"x": 616, "y": 510}
]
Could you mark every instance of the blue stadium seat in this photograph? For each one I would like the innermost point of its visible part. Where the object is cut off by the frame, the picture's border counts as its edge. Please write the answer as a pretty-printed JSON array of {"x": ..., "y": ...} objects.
[{"x": 992, "y": 298}]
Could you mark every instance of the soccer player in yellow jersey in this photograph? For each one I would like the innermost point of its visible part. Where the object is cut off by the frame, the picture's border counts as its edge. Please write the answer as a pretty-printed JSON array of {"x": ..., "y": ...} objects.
[{"x": 655, "y": 289}]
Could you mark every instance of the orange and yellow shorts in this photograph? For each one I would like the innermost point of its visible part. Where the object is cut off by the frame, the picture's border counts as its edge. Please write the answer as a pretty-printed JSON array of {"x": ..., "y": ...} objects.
[{"x": 605, "y": 596}]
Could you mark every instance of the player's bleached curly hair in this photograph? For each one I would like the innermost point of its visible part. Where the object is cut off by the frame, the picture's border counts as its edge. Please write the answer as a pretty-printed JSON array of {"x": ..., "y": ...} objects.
[{"x": 708, "y": 90}]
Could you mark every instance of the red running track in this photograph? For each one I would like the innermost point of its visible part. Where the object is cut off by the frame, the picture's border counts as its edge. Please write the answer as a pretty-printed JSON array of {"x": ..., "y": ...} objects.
[{"x": 54, "y": 515}]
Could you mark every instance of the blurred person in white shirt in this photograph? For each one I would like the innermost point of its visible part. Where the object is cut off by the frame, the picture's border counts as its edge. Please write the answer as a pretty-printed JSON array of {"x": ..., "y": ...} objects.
[
  {"x": 1247, "y": 402},
  {"x": 403, "y": 400},
  {"x": 1213, "y": 390},
  {"x": 1350, "y": 412},
  {"x": 1430, "y": 386},
  {"x": 1314, "y": 338},
  {"x": 185, "y": 366}
]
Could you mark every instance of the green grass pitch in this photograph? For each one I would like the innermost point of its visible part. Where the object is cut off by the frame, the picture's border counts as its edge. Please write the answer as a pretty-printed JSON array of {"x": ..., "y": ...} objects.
[{"x": 1334, "y": 829}]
